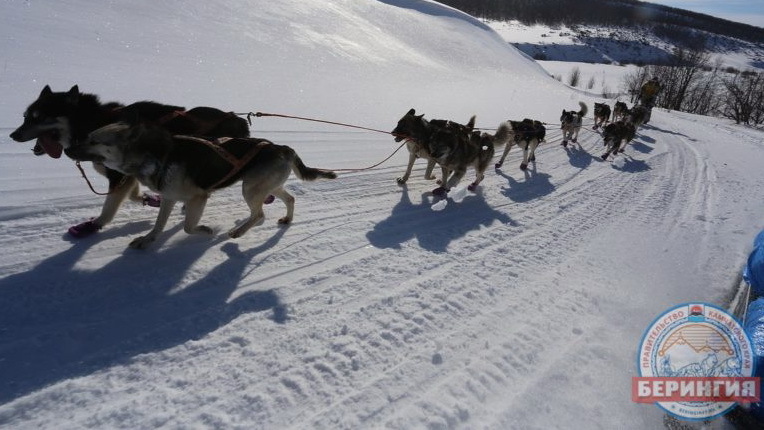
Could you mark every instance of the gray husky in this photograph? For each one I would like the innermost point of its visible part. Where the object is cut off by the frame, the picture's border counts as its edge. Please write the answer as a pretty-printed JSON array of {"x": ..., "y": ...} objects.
[
  {"x": 189, "y": 169},
  {"x": 455, "y": 152},
  {"x": 418, "y": 133}
]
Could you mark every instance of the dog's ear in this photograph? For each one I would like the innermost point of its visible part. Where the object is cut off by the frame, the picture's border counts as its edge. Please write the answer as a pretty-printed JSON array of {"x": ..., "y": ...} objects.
[
  {"x": 46, "y": 91},
  {"x": 411, "y": 112},
  {"x": 73, "y": 95}
]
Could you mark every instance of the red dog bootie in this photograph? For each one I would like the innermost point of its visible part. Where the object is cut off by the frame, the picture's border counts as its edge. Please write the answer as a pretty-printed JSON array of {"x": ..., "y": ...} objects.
[
  {"x": 84, "y": 229},
  {"x": 152, "y": 200}
]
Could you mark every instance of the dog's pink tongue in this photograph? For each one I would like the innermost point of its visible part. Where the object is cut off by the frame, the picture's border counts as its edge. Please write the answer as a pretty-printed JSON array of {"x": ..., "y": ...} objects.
[{"x": 50, "y": 145}]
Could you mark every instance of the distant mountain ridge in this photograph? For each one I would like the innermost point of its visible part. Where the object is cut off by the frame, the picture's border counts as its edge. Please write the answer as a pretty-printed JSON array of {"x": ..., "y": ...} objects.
[
  {"x": 617, "y": 31},
  {"x": 626, "y": 13}
]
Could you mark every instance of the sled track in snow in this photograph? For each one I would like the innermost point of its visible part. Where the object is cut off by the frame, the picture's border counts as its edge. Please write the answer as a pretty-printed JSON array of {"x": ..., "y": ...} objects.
[{"x": 370, "y": 323}]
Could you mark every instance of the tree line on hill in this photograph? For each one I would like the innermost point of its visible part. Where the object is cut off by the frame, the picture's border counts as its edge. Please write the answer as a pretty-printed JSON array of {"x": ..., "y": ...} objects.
[{"x": 622, "y": 13}]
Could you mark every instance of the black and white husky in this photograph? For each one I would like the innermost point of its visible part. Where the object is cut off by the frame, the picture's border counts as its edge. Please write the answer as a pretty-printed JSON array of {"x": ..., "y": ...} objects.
[
  {"x": 61, "y": 121},
  {"x": 527, "y": 134},
  {"x": 617, "y": 135},
  {"x": 601, "y": 114},
  {"x": 638, "y": 115},
  {"x": 188, "y": 169},
  {"x": 620, "y": 110},
  {"x": 571, "y": 123}
]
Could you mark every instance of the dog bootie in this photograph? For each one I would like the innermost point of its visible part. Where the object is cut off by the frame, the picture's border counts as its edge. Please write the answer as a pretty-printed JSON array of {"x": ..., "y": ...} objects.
[
  {"x": 84, "y": 229},
  {"x": 440, "y": 192},
  {"x": 268, "y": 200},
  {"x": 152, "y": 200}
]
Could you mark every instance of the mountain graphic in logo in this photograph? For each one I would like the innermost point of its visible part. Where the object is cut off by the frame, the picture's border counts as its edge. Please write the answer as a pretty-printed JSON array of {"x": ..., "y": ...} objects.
[{"x": 700, "y": 337}]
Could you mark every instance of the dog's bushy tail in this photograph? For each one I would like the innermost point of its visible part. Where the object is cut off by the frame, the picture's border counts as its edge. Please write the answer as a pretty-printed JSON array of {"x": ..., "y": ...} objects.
[
  {"x": 584, "y": 109},
  {"x": 308, "y": 173},
  {"x": 503, "y": 134}
]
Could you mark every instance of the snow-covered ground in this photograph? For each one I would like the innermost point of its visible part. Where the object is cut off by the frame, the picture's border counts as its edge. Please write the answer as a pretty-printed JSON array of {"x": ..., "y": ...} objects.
[
  {"x": 595, "y": 80},
  {"x": 518, "y": 306}
]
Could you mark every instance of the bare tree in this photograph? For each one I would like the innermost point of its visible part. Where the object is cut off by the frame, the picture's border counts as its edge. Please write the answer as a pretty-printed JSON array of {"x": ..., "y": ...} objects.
[
  {"x": 684, "y": 72},
  {"x": 575, "y": 77},
  {"x": 745, "y": 98}
]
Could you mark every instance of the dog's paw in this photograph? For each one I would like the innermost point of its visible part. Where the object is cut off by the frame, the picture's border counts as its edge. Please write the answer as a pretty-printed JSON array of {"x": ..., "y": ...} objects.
[
  {"x": 142, "y": 242},
  {"x": 285, "y": 220},
  {"x": 202, "y": 229},
  {"x": 523, "y": 166},
  {"x": 498, "y": 165},
  {"x": 268, "y": 200},
  {"x": 430, "y": 178},
  {"x": 400, "y": 181},
  {"x": 472, "y": 187},
  {"x": 564, "y": 144},
  {"x": 574, "y": 140},
  {"x": 604, "y": 156}
]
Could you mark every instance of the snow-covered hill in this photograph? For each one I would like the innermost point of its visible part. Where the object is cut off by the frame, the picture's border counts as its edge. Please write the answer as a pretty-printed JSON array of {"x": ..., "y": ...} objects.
[
  {"x": 619, "y": 45},
  {"x": 518, "y": 306}
]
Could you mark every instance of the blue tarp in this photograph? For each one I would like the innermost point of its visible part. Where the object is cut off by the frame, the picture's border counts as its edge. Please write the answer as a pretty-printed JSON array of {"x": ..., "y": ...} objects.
[
  {"x": 754, "y": 269},
  {"x": 754, "y": 321},
  {"x": 754, "y": 326}
]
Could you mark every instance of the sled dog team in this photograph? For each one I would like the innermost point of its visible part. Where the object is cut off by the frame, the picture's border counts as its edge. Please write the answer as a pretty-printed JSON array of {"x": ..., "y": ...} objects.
[{"x": 186, "y": 154}]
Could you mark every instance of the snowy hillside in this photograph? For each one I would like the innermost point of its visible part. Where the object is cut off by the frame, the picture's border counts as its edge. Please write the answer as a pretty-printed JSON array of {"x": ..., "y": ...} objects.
[
  {"x": 518, "y": 306},
  {"x": 618, "y": 45}
]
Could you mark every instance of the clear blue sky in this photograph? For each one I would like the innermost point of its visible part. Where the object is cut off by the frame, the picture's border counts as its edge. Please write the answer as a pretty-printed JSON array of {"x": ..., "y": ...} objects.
[{"x": 747, "y": 11}]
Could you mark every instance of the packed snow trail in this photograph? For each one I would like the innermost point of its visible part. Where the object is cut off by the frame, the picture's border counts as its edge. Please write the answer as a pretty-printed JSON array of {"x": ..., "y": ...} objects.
[
  {"x": 371, "y": 309},
  {"x": 519, "y": 306}
]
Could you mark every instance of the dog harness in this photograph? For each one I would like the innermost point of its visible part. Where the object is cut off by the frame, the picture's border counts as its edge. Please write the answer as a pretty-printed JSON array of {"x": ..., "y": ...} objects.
[{"x": 236, "y": 163}]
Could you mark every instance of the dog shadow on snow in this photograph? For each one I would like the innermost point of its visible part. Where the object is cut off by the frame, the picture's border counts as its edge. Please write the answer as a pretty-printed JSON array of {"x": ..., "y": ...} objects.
[
  {"x": 59, "y": 322},
  {"x": 534, "y": 186},
  {"x": 433, "y": 229},
  {"x": 577, "y": 157}
]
